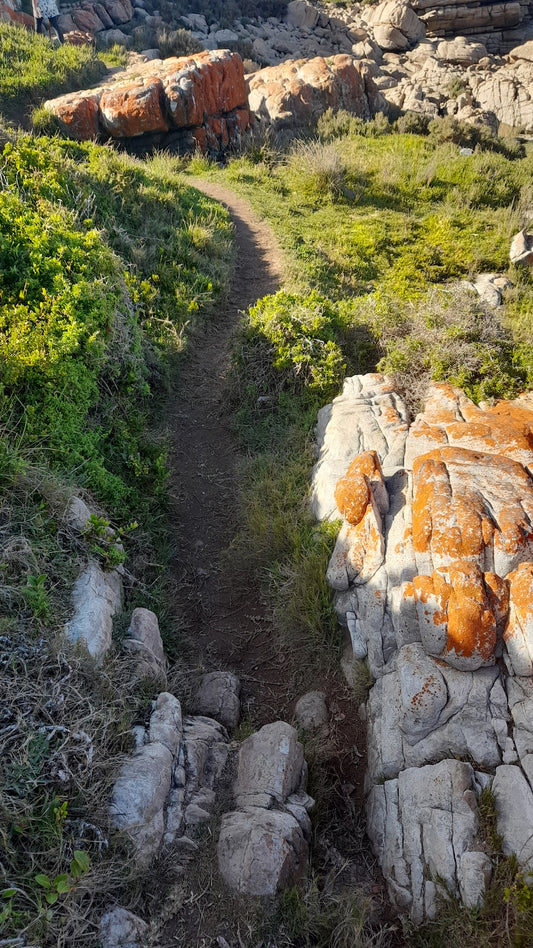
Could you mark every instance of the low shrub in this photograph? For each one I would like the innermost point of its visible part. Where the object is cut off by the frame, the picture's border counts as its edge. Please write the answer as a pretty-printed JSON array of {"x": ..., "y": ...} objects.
[
  {"x": 339, "y": 124},
  {"x": 448, "y": 336},
  {"x": 177, "y": 43},
  {"x": 297, "y": 336},
  {"x": 320, "y": 169},
  {"x": 467, "y": 135},
  {"x": 331, "y": 915},
  {"x": 412, "y": 123}
]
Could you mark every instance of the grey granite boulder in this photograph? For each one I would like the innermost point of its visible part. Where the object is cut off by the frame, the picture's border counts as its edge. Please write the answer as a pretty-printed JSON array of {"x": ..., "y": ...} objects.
[
  {"x": 261, "y": 851},
  {"x": 96, "y": 598},
  {"x": 122, "y": 929},
  {"x": 141, "y": 791},
  {"x": 271, "y": 763},
  {"x": 143, "y": 641},
  {"x": 311, "y": 711},
  {"x": 367, "y": 415},
  {"x": 168, "y": 786},
  {"x": 263, "y": 843},
  {"x": 218, "y": 697}
]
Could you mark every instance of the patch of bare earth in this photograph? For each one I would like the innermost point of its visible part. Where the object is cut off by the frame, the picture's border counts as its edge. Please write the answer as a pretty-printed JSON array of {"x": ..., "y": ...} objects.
[{"x": 219, "y": 607}]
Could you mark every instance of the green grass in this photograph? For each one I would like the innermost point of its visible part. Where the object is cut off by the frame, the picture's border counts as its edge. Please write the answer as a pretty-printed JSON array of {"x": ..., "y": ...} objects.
[
  {"x": 374, "y": 220},
  {"x": 107, "y": 264},
  {"x": 33, "y": 69},
  {"x": 91, "y": 299}
]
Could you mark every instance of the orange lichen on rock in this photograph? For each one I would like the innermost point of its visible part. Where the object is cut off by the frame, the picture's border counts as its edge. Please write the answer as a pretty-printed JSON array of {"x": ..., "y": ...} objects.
[
  {"x": 206, "y": 84},
  {"x": 518, "y": 635},
  {"x": 133, "y": 107},
  {"x": 471, "y": 506},
  {"x": 460, "y": 614},
  {"x": 298, "y": 91},
  {"x": 362, "y": 480},
  {"x": 359, "y": 551},
  {"x": 451, "y": 418},
  {"x": 206, "y": 91},
  {"x": 362, "y": 498},
  {"x": 78, "y": 113}
]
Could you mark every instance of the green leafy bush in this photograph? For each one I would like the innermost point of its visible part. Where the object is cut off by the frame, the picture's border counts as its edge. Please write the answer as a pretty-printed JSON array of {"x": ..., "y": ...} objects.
[
  {"x": 84, "y": 276},
  {"x": 300, "y": 333}
]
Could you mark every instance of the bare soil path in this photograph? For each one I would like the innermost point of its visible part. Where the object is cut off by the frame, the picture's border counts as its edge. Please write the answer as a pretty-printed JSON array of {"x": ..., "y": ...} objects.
[{"x": 216, "y": 606}]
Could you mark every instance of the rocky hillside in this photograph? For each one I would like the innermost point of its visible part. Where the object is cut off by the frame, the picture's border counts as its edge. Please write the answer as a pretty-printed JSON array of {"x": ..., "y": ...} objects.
[{"x": 392, "y": 64}]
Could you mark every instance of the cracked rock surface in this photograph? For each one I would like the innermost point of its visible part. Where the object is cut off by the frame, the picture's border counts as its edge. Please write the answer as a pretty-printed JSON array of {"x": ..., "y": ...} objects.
[
  {"x": 263, "y": 843},
  {"x": 168, "y": 786},
  {"x": 439, "y": 602}
]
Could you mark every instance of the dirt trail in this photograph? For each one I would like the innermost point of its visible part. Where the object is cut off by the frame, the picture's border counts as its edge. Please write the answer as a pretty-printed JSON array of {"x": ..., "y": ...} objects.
[
  {"x": 218, "y": 609},
  {"x": 218, "y": 604}
]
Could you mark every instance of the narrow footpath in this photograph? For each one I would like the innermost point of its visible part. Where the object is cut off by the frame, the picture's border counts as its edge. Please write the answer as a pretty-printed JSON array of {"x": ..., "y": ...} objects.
[{"x": 216, "y": 606}]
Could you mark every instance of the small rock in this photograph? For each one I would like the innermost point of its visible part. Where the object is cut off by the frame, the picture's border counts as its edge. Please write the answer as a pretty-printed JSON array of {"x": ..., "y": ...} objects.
[
  {"x": 78, "y": 514},
  {"x": 96, "y": 597},
  {"x": 122, "y": 929},
  {"x": 521, "y": 251},
  {"x": 144, "y": 643},
  {"x": 223, "y": 37},
  {"x": 110, "y": 37},
  {"x": 311, "y": 711},
  {"x": 218, "y": 698}
]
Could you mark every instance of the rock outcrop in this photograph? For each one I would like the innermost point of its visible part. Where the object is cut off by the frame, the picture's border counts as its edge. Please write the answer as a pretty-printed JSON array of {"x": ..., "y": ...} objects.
[
  {"x": 197, "y": 99},
  {"x": 371, "y": 59},
  {"x": 297, "y": 93},
  {"x": 167, "y": 788},
  {"x": 263, "y": 843},
  {"x": 94, "y": 17},
  {"x": 433, "y": 577}
]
